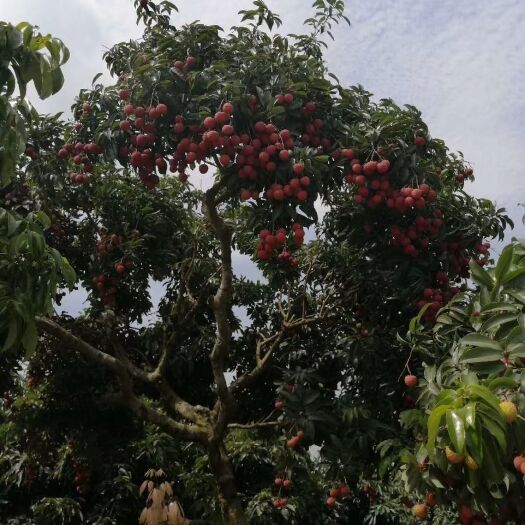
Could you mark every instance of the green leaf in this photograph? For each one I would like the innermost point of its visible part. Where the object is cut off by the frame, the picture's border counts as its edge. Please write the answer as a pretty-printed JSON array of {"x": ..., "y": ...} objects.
[
  {"x": 502, "y": 382},
  {"x": 487, "y": 396},
  {"x": 480, "y": 275},
  {"x": 498, "y": 320},
  {"x": 517, "y": 294},
  {"x": 12, "y": 333},
  {"x": 504, "y": 262},
  {"x": 481, "y": 341},
  {"x": 446, "y": 397},
  {"x": 469, "y": 412},
  {"x": 481, "y": 355},
  {"x": 12, "y": 224},
  {"x": 433, "y": 424},
  {"x": 492, "y": 466},
  {"x": 499, "y": 307},
  {"x": 30, "y": 338},
  {"x": 492, "y": 425},
  {"x": 456, "y": 430},
  {"x": 43, "y": 219},
  {"x": 508, "y": 279},
  {"x": 517, "y": 351}
]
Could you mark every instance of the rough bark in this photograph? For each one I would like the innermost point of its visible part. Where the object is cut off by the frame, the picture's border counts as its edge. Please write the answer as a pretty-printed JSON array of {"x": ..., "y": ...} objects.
[{"x": 231, "y": 506}]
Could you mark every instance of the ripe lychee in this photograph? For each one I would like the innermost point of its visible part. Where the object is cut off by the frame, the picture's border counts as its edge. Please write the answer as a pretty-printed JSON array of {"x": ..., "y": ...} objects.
[
  {"x": 411, "y": 381},
  {"x": 420, "y": 510},
  {"x": 510, "y": 412},
  {"x": 452, "y": 457}
]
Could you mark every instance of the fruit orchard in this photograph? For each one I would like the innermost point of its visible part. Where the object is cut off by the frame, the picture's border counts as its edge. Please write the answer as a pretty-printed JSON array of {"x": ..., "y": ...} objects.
[{"x": 373, "y": 375}]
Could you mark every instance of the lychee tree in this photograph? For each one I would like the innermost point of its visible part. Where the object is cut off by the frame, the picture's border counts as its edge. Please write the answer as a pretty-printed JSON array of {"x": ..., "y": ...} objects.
[
  {"x": 269, "y": 401},
  {"x": 471, "y": 397}
]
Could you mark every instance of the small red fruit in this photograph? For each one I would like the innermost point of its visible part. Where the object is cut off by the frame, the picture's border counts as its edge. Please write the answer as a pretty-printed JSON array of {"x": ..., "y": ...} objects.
[
  {"x": 293, "y": 442},
  {"x": 284, "y": 155},
  {"x": 191, "y": 62},
  {"x": 420, "y": 510},
  {"x": 305, "y": 181},
  {"x": 411, "y": 381},
  {"x": 431, "y": 499},
  {"x": 344, "y": 490},
  {"x": 210, "y": 123},
  {"x": 383, "y": 166}
]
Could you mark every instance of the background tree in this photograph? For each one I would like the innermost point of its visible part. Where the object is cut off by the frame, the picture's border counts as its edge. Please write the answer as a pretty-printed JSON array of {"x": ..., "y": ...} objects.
[{"x": 270, "y": 401}]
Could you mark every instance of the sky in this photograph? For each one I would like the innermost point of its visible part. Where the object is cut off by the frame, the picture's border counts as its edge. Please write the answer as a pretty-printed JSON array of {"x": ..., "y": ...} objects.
[{"x": 460, "y": 62}]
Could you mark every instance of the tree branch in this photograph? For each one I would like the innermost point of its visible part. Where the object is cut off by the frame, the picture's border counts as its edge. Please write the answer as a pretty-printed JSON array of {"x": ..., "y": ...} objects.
[
  {"x": 262, "y": 360},
  {"x": 250, "y": 426},
  {"x": 125, "y": 371},
  {"x": 196, "y": 414},
  {"x": 221, "y": 304},
  {"x": 92, "y": 353}
]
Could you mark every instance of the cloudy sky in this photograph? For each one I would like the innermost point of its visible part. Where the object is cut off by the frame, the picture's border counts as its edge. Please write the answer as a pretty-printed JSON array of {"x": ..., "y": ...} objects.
[{"x": 461, "y": 62}]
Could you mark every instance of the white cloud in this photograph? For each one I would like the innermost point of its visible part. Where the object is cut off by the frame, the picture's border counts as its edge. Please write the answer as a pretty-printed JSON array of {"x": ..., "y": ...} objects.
[{"x": 461, "y": 63}]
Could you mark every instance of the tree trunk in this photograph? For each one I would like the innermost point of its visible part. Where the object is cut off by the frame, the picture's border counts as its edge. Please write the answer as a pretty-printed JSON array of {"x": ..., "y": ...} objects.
[{"x": 232, "y": 511}]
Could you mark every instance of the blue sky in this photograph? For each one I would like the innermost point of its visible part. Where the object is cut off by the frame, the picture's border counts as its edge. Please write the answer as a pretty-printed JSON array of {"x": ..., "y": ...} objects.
[{"x": 461, "y": 62}]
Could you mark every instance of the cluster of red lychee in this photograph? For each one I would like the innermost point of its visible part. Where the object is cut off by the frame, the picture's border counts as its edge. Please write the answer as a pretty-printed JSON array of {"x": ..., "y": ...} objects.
[
  {"x": 335, "y": 493},
  {"x": 86, "y": 110},
  {"x": 81, "y": 155},
  {"x": 283, "y": 99},
  {"x": 107, "y": 243},
  {"x": 186, "y": 65},
  {"x": 106, "y": 288},
  {"x": 296, "y": 440},
  {"x": 81, "y": 477},
  {"x": 436, "y": 298},
  {"x": 280, "y": 503},
  {"x": 140, "y": 133},
  {"x": 439, "y": 296},
  {"x": 415, "y": 238},
  {"x": 268, "y": 243},
  {"x": 466, "y": 174},
  {"x": 32, "y": 152},
  {"x": 483, "y": 250},
  {"x": 374, "y": 187},
  {"x": 282, "y": 484},
  {"x": 468, "y": 517}
]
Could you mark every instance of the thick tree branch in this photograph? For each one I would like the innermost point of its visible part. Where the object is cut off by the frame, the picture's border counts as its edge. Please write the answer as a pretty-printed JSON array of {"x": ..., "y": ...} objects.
[
  {"x": 188, "y": 432},
  {"x": 196, "y": 414},
  {"x": 125, "y": 371},
  {"x": 88, "y": 351},
  {"x": 221, "y": 304}
]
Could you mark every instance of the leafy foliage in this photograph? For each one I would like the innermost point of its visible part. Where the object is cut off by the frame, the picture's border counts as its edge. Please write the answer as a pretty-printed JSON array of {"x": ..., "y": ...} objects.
[
  {"x": 472, "y": 397},
  {"x": 269, "y": 401}
]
